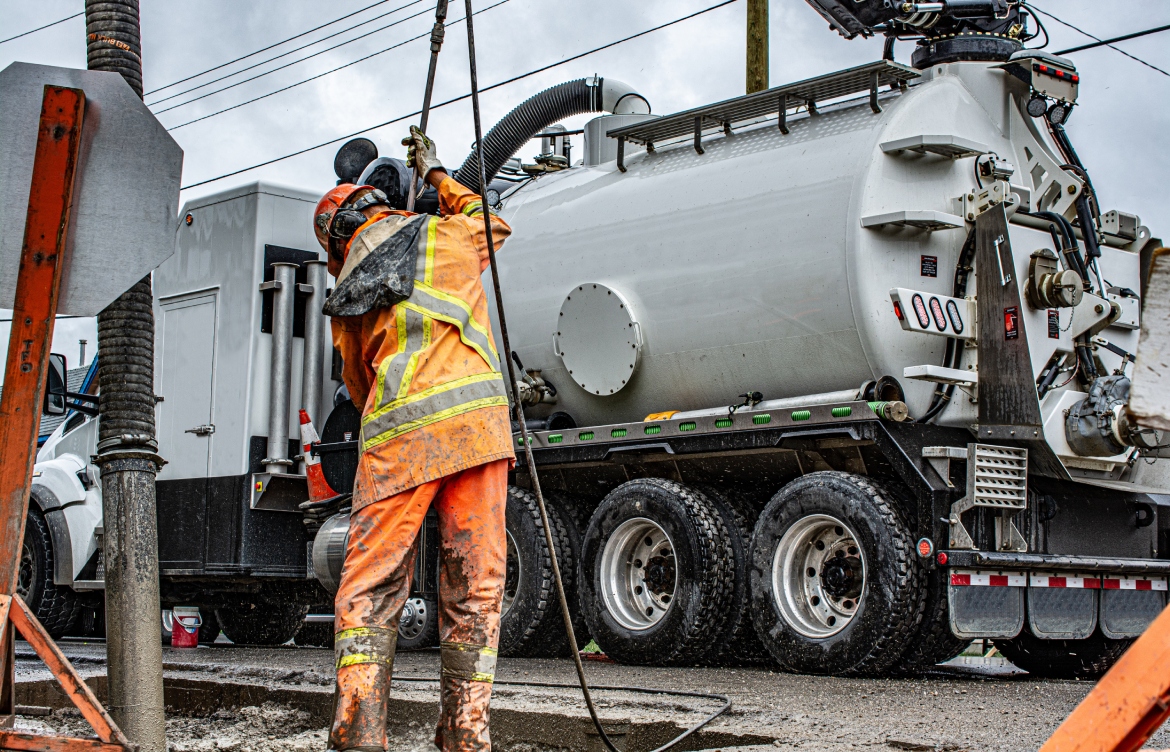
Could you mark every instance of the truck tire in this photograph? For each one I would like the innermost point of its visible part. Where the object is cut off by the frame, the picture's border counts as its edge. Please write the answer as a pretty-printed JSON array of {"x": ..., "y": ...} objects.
[
  {"x": 657, "y": 574},
  {"x": 553, "y": 641},
  {"x": 933, "y": 642},
  {"x": 529, "y": 606},
  {"x": 316, "y": 634},
  {"x": 252, "y": 624},
  {"x": 1063, "y": 659},
  {"x": 418, "y": 628},
  {"x": 741, "y": 645},
  {"x": 55, "y": 606},
  {"x": 835, "y": 584}
]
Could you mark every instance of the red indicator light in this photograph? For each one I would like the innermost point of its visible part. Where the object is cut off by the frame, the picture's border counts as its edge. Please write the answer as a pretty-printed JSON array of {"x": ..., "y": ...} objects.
[
  {"x": 898, "y": 311},
  {"x": 920, "y": 311},
  {"x": 925, "y": 548},
  {"x": 1043, "y": 68},
  {"x": 942, "y": 558},
  {"x": 1075, "y": 78}
]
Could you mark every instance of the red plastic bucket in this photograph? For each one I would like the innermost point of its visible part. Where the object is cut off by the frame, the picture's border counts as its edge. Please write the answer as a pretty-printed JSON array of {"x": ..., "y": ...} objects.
[{"x": 185, "y": 627}]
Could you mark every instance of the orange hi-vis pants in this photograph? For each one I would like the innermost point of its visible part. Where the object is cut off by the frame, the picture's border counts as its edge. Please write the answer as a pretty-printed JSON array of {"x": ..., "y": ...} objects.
[{"x": 375, "y": 582}]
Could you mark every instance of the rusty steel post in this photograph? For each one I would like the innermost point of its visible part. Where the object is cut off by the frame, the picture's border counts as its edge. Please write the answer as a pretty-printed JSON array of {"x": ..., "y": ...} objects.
[
  {"x": 127, "y": 446},
  {"x": 757, "y": 45},
  {"x": 38, "y": 287}
]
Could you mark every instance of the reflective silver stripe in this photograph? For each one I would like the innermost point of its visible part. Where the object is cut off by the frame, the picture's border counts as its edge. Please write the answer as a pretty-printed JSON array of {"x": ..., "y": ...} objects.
[
  {"x": 391, "y": 372},
  {"x": 451, "y": 310},
  {"x": 431, "y": 405},
  {"x": 467, "y": 662}
]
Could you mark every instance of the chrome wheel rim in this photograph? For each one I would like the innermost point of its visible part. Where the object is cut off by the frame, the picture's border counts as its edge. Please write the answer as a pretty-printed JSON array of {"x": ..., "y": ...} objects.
[
  {"x": 639, "y": 576},
  {"x": 513, "y": 569},
  {"x": 818, "y": 576},
  {"x": 414, "y": 618}
]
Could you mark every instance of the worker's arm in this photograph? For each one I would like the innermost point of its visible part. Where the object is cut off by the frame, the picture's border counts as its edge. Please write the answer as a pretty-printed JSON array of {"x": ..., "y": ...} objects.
[
  {"x": 456, "y": 199},
  {"x": 355, "y": 372}
]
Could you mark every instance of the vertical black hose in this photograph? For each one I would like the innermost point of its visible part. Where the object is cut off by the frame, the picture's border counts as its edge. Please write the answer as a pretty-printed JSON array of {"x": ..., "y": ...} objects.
[
  {"x": 126, "y": 446},
  {"x": 126, "y": 327}
]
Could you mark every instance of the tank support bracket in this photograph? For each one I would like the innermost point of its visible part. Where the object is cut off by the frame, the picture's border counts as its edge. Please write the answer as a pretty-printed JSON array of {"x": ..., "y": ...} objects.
[
  {"x": 699, "y": 134},
  {"x": 874, "y": 83}
]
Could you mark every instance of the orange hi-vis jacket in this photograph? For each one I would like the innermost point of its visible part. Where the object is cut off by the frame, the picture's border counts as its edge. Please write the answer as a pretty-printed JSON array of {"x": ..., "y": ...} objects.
[{"x": 427, "y": 369}]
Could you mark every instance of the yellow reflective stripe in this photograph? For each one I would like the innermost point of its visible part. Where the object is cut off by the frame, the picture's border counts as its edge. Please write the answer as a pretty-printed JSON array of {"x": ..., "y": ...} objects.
[
  {"x": 432, "y": 231},
  {"x": 449, "y": 298},
  {"x": 458, "y": 326},
  {"x": 412, "y": 364},
  {"x": 430, "y": 392},
  {"x": 345, "y": 634},
  {"x": 475, "y": 207},
  {"x": 354, "y": 659},
  {"x": 433, "y": 418},
  {"x": 403, "y": 343}
]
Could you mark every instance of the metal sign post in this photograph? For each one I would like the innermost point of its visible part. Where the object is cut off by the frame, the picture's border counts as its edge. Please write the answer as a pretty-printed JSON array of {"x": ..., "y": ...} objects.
[{"x": 38, "y": 287}]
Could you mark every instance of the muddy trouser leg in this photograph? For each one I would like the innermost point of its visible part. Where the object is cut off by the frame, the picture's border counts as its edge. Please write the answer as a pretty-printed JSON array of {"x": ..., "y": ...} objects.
[
  {"x": 375, "y": 582},
  {"x": 473, "y": 547}
]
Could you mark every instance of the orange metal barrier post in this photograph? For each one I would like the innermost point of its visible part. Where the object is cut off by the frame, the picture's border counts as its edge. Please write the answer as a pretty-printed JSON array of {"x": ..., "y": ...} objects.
[
  {"x": 1129, "y": 703},
  {"x": 42, "y": 261}
]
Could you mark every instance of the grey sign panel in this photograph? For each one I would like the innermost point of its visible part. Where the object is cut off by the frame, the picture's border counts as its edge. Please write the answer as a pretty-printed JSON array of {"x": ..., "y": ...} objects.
[{"x": 126, "y": 197}]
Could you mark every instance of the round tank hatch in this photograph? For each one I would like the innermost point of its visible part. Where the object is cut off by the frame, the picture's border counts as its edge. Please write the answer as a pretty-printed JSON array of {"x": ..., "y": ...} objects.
[{"x": 598, "y": 338}]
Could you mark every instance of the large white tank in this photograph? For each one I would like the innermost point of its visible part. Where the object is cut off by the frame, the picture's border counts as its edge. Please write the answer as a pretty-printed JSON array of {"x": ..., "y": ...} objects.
[{"x": 748, "y": 267}]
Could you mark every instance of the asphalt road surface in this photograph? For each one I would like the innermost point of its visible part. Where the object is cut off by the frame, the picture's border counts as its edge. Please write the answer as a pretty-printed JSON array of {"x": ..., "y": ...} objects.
[{"x": 231, "y": 698}]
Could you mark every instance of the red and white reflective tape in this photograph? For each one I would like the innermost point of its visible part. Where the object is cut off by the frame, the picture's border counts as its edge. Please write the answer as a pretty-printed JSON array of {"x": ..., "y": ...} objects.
[
  {"x": 1077, "y": 581},
  {"x": 988, "y": 579},
  {"x": 1134, "y": 583}
]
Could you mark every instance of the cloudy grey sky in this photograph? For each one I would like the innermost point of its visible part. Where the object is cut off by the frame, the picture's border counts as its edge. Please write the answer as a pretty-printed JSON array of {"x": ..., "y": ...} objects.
[{"x": 1119, "y": 129}]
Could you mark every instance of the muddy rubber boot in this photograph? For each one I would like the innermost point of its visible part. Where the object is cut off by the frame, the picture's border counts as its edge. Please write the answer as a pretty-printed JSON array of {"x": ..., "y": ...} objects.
[{"x": 359, "y": 717}]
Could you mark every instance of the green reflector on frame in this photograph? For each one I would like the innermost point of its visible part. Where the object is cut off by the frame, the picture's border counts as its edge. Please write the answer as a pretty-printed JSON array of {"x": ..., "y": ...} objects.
[
  {"x": 723, "y": 423},
  {"x": 760, "y": 420},
  {"x": 690, "y": 425},
  {"x": 652, "y": 430},
  {"x": 801, "y": 415},
  {"x": 585, "y": 436},
  {"x": 618, "y": 433},
  {"x": 842, "y": 412}
]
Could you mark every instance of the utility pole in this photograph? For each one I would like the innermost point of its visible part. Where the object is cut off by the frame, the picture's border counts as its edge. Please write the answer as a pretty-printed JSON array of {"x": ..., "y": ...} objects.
[
  {"x": 127, "y": 449},
  {"x": 757, "y": 45}
]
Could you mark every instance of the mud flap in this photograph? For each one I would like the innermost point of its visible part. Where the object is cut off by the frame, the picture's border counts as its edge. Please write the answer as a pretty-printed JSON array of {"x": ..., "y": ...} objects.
[
  {"x": 986, "y": 604},
  {"x": 1062, "y": 607},
  {"x": 1130, "y": 604}
]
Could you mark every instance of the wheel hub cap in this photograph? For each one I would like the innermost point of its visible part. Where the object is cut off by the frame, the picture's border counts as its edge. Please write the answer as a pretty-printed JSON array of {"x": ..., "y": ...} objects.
[
  {"x": 818, "y": 576},
  {"x": 639, "y": 575}
]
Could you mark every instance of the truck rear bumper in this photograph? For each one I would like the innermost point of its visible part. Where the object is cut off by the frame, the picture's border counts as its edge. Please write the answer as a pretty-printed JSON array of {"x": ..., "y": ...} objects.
[{"x": 964, "y": 559}]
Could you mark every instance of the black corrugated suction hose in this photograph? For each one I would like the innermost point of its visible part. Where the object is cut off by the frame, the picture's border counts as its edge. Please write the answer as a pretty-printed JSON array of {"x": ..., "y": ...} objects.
[
  {"x": 112, "y": 39},
  {"x": 528, "y": 119},
  {"x": 126, "y": 327}
]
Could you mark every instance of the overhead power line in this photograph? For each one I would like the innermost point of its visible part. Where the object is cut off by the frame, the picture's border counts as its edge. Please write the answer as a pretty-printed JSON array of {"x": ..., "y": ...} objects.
[
  {"x": 424, "y": 35},
  {"x": 265, "y": 49},
  {"x": 42, "y": 28},
  {"x": 1107, "y": 42},
  {"x": 461, "y": 97},
  {"x": 286, "y": 54},
  {"x": 1102, "y": 42}
]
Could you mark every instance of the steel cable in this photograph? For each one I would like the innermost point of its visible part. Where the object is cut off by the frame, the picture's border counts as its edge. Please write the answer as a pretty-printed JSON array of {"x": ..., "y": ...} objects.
[
  {"x": 284, "y": 54},
  {"x": 525, "y": 441},
  {"x": 462, "y": 97},
  {"x": 42, "y": 28},
  {"x": 424, "y": 35},
  {"x": 269, "y": 47}
]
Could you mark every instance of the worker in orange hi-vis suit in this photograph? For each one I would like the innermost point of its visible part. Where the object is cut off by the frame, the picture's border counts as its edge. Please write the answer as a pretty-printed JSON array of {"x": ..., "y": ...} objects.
[{"x": 435, "y": 431}]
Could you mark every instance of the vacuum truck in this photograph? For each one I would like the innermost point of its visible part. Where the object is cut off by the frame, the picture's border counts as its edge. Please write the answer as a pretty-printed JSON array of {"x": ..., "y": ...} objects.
[{"x": 832, "y": 376}]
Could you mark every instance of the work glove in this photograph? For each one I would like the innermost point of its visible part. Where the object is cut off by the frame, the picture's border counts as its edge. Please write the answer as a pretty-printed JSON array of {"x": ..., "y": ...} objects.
[{"x": 421, "y": 153}]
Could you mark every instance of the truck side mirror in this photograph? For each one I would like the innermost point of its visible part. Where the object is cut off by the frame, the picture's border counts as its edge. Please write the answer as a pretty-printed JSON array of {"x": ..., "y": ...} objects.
[{"x": 55, "y": 386}]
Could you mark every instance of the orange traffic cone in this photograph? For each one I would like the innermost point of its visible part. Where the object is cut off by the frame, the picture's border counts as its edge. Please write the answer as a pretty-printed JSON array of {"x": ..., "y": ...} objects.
[{"x": 319, "y": 489}]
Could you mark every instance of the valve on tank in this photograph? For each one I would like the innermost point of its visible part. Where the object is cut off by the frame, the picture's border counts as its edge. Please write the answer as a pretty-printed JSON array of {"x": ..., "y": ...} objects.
[
  {"x": 1048, "y": 286},
  {"x": 1099, "y": 425}
]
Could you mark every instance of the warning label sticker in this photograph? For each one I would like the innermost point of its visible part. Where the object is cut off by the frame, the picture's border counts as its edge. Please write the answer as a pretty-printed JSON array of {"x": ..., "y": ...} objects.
[
  {"x": 1053, "y": 323},
  {"x": 930, "y": 266},
  {"x": 1011, "y": 323}
]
